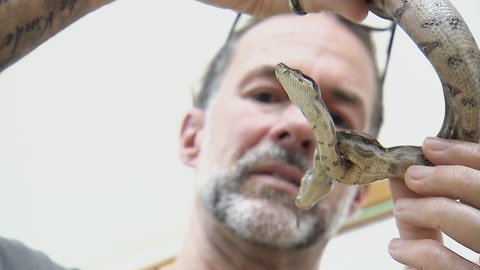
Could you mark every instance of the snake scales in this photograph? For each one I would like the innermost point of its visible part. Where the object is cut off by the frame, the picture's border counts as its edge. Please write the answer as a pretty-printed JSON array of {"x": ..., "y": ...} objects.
[{"x": 353, "y": 157}]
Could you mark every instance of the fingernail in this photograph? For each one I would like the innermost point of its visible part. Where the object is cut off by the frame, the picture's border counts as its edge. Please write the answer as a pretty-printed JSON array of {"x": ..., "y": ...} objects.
[
  {"x": 401, "y": 204},
  {"x": 419, "y": 172},
  {"x": 437, "y": 144},
  {"x": 395, "y": 243}
]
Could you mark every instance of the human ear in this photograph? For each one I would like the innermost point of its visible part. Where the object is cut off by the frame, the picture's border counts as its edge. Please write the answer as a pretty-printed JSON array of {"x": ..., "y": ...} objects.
[{"x": 190, "y": 139}]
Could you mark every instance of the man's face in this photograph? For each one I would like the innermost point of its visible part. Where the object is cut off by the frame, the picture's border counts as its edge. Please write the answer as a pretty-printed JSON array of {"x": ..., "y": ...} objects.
[{"x": 254, "y": 145}]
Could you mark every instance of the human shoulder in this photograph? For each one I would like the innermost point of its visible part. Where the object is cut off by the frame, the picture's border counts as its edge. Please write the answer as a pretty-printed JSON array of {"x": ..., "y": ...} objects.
[{"x": 15, "y": 255}]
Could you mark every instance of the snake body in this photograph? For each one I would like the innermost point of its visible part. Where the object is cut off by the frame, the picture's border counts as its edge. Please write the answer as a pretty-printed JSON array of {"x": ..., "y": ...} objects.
[{"x": 353, "y": 157}]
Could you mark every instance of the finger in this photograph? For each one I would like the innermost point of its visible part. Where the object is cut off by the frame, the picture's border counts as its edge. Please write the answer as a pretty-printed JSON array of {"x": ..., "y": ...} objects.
[
  {"x": 355, "y": 10},
  {"x": 461, "y": 222},
  {"x": 451, "y": 152},
  {"x": 427, "y": 254},
  {"x": 399, "y": 190},
  {"x": 257, "y": 8},
  {"x": 455, "y": 182}
]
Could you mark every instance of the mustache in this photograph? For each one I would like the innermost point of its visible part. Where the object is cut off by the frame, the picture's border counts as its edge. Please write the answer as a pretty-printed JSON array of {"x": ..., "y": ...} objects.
[{"x": 276, "y": 153}]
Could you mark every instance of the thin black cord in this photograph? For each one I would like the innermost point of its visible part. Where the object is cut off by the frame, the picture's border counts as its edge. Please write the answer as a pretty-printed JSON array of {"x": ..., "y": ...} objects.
[
  {"x": 234, "y": 25},
  {"x": 389, "y": 51}
]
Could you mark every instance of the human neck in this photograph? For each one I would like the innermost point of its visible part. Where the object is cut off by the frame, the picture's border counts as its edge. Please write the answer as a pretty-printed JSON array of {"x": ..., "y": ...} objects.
[{"x": 211, "y": 245}]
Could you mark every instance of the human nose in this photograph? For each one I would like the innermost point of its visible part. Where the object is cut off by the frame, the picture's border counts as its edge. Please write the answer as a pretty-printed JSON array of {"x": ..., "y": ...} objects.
[{"x": 293, "y": 131}]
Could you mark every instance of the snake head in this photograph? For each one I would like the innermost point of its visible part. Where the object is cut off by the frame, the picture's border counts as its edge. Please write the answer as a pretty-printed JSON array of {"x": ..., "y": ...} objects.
[
  {"x": 299, "y": 87},
  {"x": 315, "y": 185},
  {"x": 284, "y": 71}
]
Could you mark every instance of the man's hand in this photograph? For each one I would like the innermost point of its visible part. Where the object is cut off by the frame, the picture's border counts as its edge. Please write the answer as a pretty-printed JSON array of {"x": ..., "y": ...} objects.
[
  {"x": 355, "y": 10},
  {"x": 444, "y": 198}
]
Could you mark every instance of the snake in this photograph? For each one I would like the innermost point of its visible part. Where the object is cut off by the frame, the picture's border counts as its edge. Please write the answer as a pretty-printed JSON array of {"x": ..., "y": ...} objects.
[{"x": 356, "y": 158}]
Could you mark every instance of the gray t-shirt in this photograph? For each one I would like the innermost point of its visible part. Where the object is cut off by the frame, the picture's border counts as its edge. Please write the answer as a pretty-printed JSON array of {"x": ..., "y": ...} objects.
[{"x": 14, "y": 255}]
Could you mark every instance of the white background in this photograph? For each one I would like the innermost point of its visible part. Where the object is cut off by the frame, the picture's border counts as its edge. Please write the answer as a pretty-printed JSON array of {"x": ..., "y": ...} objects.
[{"x": 89, "y": 170}]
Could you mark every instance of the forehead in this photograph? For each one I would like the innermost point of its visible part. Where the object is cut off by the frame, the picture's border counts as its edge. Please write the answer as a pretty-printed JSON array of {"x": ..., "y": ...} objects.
[
  {"x": 316, "y": 32},
  {"x": 315, "y": 26}
]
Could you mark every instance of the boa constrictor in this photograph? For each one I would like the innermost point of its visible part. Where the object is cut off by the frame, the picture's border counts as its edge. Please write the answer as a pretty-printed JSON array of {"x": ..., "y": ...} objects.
[{"x": 353, "y": 157}]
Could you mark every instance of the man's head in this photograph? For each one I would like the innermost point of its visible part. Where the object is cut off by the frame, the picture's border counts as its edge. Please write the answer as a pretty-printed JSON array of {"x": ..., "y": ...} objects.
[{"x": 250, "y": 146}]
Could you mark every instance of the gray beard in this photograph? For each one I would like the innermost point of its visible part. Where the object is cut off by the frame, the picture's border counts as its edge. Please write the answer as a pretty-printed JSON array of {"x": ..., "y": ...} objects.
[{"x": 261, "y": 214}]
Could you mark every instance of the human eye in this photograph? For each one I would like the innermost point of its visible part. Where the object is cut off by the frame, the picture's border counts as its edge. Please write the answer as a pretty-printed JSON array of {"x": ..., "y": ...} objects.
[
  {"x": 340, "y": 121},
  {"x": 264, "y": 96}
]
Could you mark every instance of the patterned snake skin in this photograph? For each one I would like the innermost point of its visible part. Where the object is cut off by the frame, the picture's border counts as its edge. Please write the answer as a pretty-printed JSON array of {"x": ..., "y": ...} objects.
[{"x": 353, "y": 157}]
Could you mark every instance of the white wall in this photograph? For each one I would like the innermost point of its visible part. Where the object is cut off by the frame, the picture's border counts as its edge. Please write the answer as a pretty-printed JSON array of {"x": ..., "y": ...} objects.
[{"x": 89, "y": 124}]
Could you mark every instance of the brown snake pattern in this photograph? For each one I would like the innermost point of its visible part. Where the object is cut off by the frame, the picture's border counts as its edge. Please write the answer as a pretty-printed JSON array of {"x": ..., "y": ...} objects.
[{"x": 353, "y": 157}]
